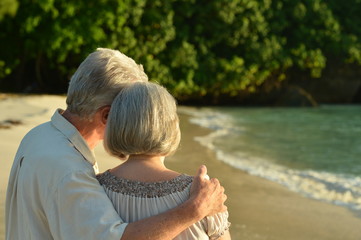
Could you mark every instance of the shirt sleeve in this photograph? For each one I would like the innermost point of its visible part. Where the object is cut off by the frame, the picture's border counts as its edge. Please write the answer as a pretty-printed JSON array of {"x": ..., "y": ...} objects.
[
  {"x": 80, "y": 209},
  {"x": 217, "y": 225}
]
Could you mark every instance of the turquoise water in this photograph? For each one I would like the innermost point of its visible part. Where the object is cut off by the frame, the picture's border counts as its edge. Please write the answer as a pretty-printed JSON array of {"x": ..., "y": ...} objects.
[{"x": 313, "y": 151}]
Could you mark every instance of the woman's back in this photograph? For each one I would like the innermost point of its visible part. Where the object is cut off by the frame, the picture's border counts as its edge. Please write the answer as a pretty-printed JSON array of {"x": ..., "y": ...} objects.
[{"x": 135, "y": 200}]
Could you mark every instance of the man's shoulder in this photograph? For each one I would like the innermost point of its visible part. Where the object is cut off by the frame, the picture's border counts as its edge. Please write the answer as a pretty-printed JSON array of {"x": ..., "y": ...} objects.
[
  {"x": 42, "y": 139},
  {"x": 41, "y": 132},
  {"x": 46, "y": 127},
  {"x": 47, "y": 148}
]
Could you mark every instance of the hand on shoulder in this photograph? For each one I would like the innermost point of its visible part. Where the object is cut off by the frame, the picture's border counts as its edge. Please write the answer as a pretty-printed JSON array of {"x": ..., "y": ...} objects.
[{"x": 207, "y": 194}]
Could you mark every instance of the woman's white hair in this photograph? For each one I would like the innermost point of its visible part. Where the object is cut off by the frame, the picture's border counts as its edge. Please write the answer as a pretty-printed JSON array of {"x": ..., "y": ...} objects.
[
  {"x": 142, "y": 120},
  {"x": 99, "y": 79}
]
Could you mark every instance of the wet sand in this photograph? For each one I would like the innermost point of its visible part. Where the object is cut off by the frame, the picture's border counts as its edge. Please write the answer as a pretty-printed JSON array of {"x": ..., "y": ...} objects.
[{"x": 259, "y": 209}]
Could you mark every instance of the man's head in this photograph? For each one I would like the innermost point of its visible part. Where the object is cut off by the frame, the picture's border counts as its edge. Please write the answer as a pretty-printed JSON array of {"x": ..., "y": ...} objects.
[
  {"x": 142, "y": 120},
  {"x": 99, "y": 79}
]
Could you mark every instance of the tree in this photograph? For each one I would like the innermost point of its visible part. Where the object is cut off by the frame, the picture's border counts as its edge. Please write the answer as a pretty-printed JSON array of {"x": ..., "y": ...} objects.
[{"x": 198, "y": 49}]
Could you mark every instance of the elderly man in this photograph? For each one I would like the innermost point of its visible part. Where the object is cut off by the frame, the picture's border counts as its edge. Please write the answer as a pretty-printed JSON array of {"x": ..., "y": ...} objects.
[{"x": 53, "y": 192}]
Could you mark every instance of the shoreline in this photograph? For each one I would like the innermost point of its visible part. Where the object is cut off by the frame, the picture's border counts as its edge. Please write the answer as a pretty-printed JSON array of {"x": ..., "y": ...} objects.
[{"x": 259, "y": 208}]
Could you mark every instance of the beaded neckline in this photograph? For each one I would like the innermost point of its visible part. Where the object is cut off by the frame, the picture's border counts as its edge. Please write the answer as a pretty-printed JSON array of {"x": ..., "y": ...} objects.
[{"x": 144, "y": 189}]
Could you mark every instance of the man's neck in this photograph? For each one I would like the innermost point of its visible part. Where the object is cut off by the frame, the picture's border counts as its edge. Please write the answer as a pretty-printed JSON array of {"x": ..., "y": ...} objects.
[{"x": 87, "y": 128}]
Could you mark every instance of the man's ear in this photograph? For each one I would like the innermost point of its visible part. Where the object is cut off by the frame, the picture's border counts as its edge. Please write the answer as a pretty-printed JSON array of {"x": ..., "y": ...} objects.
[{"x": 104, "y": 113}]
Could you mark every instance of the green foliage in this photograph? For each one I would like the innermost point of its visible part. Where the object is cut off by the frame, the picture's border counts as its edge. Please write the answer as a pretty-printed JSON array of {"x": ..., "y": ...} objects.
[
  {"x": 195, "y": 48},
  {"x": 8, "y": 7},
  {"x": 54, "y": 35}
]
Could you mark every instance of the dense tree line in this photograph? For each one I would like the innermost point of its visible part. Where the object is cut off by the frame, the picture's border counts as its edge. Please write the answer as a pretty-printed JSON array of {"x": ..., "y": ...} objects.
[{"x": 198, "y": 49}]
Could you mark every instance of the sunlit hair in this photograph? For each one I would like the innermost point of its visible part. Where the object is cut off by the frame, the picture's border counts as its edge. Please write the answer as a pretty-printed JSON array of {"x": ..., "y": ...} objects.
[
  {"x": 142, "y": 120},
  {"x": 99, "y": 79}
]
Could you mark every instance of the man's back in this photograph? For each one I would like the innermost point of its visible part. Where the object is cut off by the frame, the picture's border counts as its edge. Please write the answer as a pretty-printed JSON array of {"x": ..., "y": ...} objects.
[{"x": 49, "y": 183}]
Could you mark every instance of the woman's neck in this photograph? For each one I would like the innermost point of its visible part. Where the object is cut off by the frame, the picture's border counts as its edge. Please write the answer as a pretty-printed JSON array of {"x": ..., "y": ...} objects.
[
  {"x": 151, "y": 160},
  {"x": 144, "y": 168}
]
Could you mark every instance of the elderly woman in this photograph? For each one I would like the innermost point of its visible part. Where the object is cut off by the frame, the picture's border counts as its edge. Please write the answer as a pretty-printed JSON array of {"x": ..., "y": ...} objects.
[{"x": 143, "y": 129}]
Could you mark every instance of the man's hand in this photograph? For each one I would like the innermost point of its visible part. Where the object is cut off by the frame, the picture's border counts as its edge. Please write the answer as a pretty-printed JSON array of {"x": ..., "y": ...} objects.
[{"x": 208, "y": 195}]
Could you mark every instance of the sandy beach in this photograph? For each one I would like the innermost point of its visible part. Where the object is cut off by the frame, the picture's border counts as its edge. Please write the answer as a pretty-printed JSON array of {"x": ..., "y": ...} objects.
[{"x": 259, "y": 209}]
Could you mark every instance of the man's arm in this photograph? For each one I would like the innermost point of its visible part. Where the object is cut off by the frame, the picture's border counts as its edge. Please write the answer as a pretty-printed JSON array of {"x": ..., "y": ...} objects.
[{"x": 206, "y": 198}]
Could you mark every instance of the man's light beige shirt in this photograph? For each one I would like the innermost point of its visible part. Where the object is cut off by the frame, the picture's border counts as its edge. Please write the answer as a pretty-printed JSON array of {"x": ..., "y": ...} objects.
[{"x": 53, "y": 192}]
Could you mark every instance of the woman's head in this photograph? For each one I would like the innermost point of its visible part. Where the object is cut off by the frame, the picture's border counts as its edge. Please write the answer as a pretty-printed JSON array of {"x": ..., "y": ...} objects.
[
  {"x": 142, "y": 120},
  {"x": 98, "y": 80}
]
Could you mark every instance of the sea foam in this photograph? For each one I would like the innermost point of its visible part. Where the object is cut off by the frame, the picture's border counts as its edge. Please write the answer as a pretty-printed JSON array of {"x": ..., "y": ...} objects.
[{"x": 339, "y": 189}]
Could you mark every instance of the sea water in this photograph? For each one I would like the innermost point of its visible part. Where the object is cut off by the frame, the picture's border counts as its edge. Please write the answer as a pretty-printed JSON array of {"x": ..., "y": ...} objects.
[{"x": 313, "y": 151}]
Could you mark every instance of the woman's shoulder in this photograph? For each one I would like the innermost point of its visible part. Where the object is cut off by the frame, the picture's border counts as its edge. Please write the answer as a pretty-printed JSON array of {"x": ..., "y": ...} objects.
[{"x": 145, "y": 189}]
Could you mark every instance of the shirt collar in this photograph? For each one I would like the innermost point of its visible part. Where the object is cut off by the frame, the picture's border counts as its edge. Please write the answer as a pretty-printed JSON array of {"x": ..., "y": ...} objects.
[{"x": 72, "y": 134}]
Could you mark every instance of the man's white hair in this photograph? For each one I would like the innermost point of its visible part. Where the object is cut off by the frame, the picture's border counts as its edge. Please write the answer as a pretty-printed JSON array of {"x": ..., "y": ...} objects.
[
  {"x": 99, "y": 79},
  {"x": 142, "y": 120}
]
